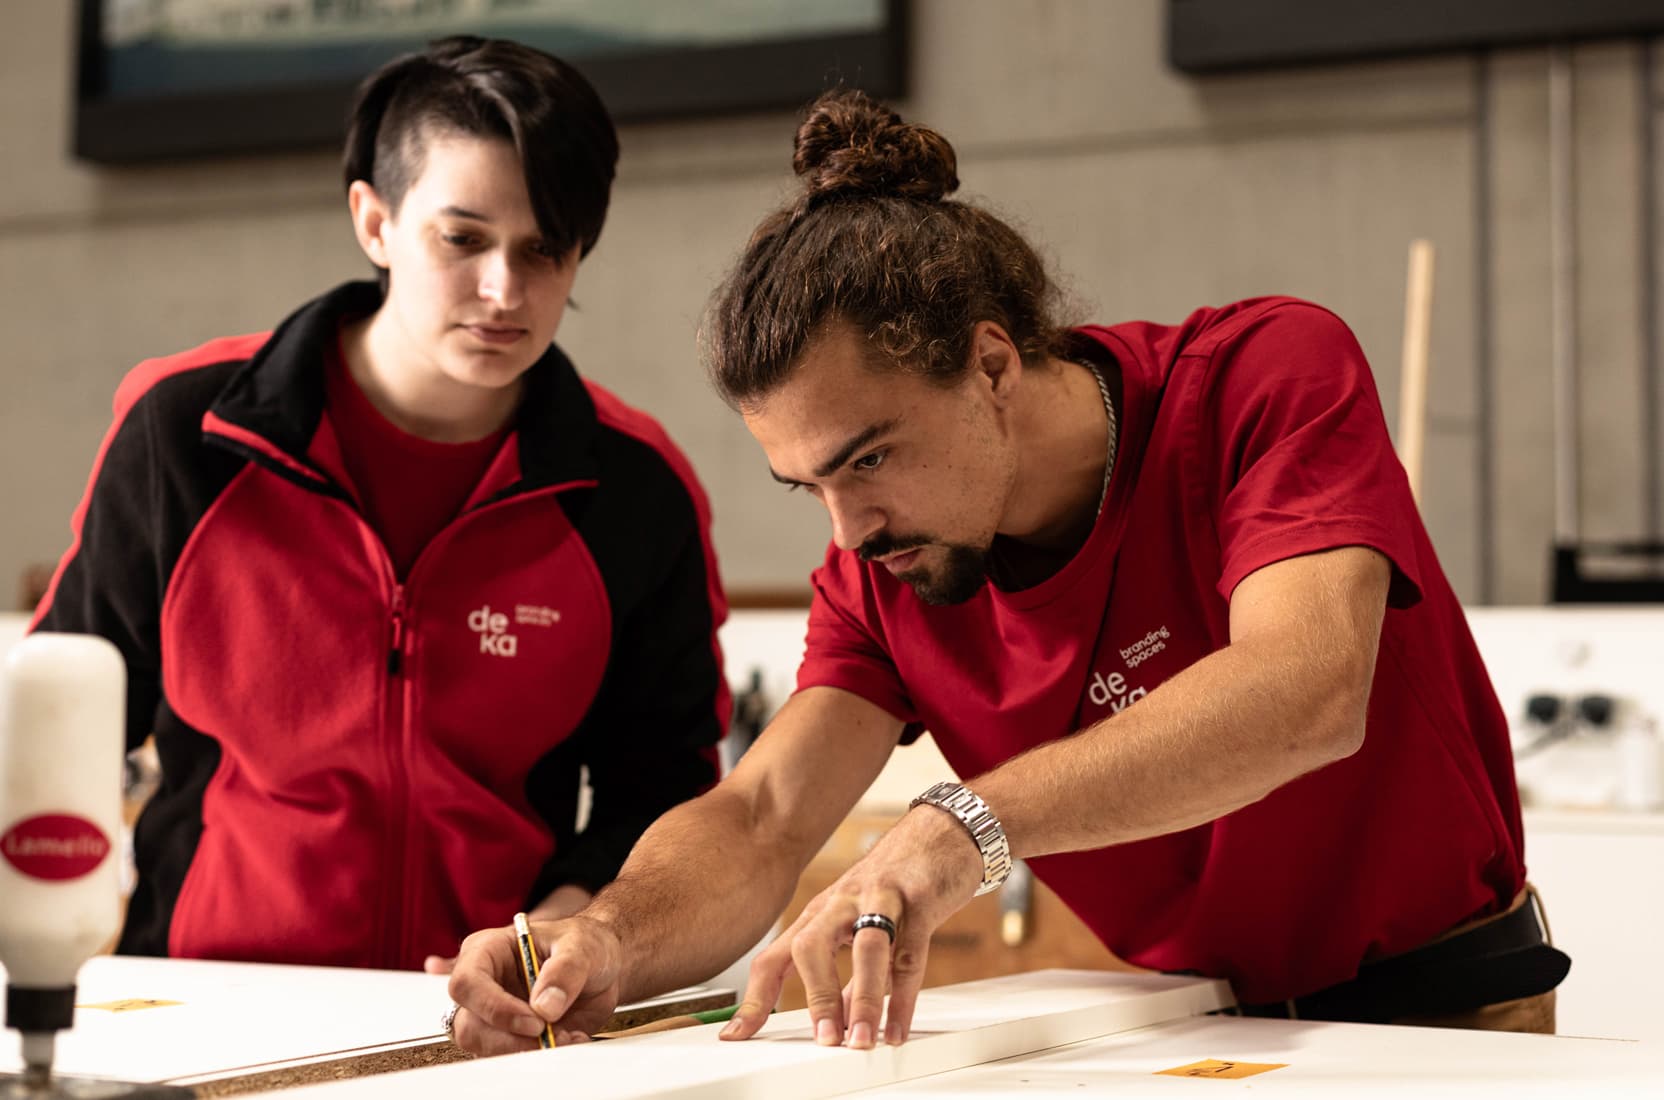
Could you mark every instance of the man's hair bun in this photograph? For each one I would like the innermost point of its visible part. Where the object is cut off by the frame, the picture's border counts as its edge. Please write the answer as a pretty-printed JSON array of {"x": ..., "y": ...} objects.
[{"x": 852, "y": 145}]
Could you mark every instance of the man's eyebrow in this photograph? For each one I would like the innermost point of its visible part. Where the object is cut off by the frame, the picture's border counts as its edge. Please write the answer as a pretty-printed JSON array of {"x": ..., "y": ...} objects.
[
  {"x": 459, "y": 212},
  {"x": 854, "y": 444},
  {"x": 844, "y": 453}
]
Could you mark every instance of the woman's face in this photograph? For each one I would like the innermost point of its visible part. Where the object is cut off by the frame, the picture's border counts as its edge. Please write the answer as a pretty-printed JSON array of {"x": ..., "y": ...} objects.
[{"x": 475, "y": 289}]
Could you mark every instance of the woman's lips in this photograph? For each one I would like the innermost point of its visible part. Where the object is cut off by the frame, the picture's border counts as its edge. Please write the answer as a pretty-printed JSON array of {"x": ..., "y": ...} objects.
[{"x": 496, "y": 334}]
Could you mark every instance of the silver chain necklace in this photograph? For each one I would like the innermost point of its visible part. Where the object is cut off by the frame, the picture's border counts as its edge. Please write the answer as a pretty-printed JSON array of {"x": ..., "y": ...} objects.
[{"x": 1109, "y": 415}]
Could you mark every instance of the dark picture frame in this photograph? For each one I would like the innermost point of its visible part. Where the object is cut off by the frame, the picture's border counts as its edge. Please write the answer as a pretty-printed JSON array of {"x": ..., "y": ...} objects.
[
  {"x": 1208, "y": 36},
  {"x": 112, "y": 126}
]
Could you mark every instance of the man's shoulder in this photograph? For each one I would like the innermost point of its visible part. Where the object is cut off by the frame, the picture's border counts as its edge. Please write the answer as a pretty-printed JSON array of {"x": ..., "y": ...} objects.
[
  {"x": 1256, "y": 342},
  {"x": 1278, "y": 317},
  {"x": 1208, "y": 328}
]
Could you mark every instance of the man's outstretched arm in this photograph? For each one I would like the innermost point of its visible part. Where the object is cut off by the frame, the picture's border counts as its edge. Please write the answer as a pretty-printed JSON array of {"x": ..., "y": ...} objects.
[
  {"x": 701, "y": 887},
  {"x": 1288, "y": 695}
]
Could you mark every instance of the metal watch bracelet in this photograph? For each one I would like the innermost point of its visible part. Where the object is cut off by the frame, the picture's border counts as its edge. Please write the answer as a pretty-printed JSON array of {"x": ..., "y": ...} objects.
[{"x": 985, "y": 829}]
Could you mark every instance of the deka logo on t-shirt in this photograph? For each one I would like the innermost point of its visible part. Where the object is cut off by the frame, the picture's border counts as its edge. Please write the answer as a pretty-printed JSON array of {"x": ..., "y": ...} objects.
[
  {"x": 55, "y": 847},
  {"x": 1146, "y": 647},
  {"x": 1112, "y": 691}
]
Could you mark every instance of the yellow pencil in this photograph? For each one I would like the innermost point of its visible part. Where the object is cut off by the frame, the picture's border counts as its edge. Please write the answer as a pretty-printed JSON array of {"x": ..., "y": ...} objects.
[{"x": 529, "y": 966}]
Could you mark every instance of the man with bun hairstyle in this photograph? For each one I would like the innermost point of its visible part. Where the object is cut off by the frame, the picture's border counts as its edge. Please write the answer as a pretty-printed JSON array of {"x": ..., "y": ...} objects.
[
  {"x": 391, "y": 576},
  {"x": 1162, "y": 597}
]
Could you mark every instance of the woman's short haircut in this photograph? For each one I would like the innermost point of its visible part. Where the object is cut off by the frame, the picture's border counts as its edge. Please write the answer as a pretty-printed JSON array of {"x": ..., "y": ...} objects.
[{"x": 490, "y": 88}]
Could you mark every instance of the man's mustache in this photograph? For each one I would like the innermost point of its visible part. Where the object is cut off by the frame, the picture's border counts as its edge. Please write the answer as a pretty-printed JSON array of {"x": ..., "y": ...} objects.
[{"x": 882, "y": 545}]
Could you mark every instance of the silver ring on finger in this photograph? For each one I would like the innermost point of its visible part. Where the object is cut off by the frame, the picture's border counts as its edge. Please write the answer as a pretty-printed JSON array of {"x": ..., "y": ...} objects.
[
  {"x": 448, "y": 1021},
  {"x": 876, "y": 920}
]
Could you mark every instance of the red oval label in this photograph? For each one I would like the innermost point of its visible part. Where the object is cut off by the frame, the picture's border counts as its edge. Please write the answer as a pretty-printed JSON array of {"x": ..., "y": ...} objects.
[{"x": 55, "y": 846}]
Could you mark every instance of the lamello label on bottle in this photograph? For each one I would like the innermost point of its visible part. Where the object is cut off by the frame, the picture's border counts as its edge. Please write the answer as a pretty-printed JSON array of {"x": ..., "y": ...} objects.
[{"x": 55, "y": 847}]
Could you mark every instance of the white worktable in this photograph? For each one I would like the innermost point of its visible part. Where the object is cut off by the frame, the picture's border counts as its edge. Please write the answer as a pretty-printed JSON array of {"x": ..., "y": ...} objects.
[
  {"x": 1144, "y": 1024},
  {"x": 1049, "y": 1033},
  {"x": 955, "y": 1026},
  {"x": 173, "y": 1020},
  {"x": 1316, "y": 1059},
  {"x": 188, "y": 1021}
]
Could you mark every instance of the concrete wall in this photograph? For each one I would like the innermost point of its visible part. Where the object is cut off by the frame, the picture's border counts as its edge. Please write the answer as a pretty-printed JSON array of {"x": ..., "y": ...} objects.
[{"x": 1153, "y": 192}]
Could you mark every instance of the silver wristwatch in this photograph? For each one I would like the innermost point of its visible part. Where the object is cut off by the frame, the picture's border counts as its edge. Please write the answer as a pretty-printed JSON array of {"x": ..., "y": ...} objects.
[{"x": 973, "y": 813}]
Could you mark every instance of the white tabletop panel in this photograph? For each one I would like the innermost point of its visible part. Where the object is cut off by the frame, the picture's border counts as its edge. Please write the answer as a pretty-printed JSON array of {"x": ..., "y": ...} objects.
[
  {"x": 1315, "y": 1059},
  {"x": 954, "y": 1026},
  {"x": 229, "y": 1018}
]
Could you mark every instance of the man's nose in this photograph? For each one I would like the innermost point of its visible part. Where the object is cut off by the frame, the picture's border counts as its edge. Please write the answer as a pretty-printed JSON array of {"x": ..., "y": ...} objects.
[{"x": 853, "y": 521}]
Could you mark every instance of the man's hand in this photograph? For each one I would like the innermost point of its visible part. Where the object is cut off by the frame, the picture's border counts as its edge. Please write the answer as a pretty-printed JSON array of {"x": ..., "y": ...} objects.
[
  {"x": 563, "y": 901},
  {"x": 918, "y": 875},
  {"x": 576, "y": 991}
]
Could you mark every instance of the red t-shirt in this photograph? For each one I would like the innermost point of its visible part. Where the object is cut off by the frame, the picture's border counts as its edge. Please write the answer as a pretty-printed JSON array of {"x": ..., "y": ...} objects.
[
  {"x": 407, "y": 487},
  {"x": 1249, "y": 434}
]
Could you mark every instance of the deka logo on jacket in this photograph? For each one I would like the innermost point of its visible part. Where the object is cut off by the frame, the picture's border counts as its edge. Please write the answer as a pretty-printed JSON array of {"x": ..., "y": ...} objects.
[
  {"x": 492, "y": 627},
  {"x": 55, "y": 846}
]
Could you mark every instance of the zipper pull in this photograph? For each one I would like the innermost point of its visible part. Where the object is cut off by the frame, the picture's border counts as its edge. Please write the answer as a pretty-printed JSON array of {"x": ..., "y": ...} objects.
[{"x": 395, "y": 652}]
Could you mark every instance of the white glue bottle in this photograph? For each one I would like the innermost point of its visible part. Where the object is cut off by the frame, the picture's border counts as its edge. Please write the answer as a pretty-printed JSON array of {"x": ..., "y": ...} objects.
[{"x": 63, "y": 702}]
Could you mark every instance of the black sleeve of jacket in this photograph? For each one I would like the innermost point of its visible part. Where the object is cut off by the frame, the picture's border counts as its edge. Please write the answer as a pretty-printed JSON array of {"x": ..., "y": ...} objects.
[
  {"x": 152, "y": 481},
  {"x": 650, "y": 739},
  {"x": 110, "y": 582}
]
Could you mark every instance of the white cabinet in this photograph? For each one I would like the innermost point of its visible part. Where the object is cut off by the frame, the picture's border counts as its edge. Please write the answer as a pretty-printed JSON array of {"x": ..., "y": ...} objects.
[{"x": 1602, "y": 881}]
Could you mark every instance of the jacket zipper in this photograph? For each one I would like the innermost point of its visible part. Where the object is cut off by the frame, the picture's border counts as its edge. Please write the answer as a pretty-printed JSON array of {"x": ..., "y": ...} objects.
[
  {"x": 399, "y": 899},
  {"x": 393, "y": 733},
  {"x": 393, "y": 744},
  {"x": 395, "y": 651}
]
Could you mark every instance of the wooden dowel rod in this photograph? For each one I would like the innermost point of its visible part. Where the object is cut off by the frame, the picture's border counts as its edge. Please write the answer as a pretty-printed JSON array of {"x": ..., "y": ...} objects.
[{"x": 1412, "y": 399}]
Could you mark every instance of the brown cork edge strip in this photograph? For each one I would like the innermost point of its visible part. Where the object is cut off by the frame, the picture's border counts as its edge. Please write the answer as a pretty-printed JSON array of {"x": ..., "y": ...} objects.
[{"x": 426, "y": 1054}]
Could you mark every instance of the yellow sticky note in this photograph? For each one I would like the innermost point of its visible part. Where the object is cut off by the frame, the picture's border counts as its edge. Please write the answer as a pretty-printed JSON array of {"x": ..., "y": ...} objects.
[
  {"x": 1213, "y": 1067},
  {"x": 131, "y": 1004}
]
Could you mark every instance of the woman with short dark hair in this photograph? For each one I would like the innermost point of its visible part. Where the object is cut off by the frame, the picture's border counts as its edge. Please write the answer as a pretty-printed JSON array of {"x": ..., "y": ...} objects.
[{"x": 389, "y": 577}]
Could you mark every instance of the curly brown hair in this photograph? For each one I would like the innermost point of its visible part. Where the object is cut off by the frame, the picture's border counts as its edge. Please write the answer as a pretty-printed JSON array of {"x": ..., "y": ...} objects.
[{"x": 874, "y": 242}]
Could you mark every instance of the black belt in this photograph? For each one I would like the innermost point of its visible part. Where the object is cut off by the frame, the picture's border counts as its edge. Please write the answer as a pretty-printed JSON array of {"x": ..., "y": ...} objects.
[{"x": 1501, "y": 960}]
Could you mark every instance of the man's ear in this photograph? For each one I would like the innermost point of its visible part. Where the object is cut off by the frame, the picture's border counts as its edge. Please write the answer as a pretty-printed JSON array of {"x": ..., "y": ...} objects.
[
  {"x": 995, "y": 357},
  {"x": 370, "y": 218}
]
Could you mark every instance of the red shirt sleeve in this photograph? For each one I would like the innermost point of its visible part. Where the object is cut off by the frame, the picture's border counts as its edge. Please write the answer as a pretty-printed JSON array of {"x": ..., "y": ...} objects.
[
  {"x": 1301, "y": 458},
  {"x": 846, "y": 645}
]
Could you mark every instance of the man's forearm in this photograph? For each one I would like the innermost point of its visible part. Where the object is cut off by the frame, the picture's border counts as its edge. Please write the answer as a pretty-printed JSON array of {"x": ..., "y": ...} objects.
[
  {"x": 1213, "y": 739},
  {"x": 1219, "y": 735},
  {"x": 709, "y": 877},
  {"x": 700, "y": 888},
  {"x": 562, "y": 902}
]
